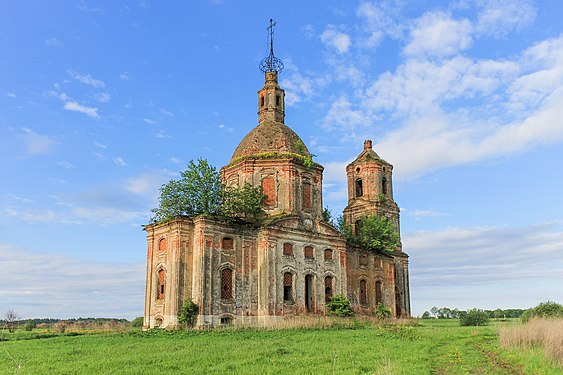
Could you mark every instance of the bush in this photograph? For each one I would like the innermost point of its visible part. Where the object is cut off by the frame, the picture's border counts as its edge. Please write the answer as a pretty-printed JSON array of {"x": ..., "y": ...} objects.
[
  {"x": 474, "y": 317},
  {"x": 188, "y": 313},
  {"x": 382, "y": 312},
  {"x": 30, "y": 325},
  {"x": 339, "y": 306},
  {"x": 137, "y": 322},
  {"x": 543, "y": 310}
]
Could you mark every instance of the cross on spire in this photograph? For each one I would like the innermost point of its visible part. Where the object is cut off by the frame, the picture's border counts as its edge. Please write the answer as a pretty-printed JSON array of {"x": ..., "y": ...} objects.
[{"x": 271, "y": 63}]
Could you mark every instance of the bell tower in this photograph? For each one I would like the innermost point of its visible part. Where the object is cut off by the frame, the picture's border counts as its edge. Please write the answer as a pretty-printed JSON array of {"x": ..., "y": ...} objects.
[
  {"x": 370, "y": 188},
  {"x": 271, "y": 97}
]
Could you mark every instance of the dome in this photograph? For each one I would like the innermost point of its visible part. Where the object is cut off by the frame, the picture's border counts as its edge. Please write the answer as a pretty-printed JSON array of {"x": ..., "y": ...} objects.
[{"x": 270, "y": 136}]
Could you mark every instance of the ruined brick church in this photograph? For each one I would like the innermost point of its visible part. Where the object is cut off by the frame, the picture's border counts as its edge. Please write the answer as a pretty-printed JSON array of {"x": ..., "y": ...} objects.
[{"x": 293, "y": 262}]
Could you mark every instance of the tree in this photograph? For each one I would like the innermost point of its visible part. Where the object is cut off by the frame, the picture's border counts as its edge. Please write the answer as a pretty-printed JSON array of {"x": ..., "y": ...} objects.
[
  {"x": 11, "y": 319},
  {"x": 242, "y": 202},
  {"x": 474, "y": 317},
  {"x": 137, "y": 322},
  {"x": 188, "y": 313},
  {"x": 426, "y": 315},
  {"x": 339, "y": 306},
  {"x": 199, "y": 191},
  {"x": 374, "y": 232},
  {"x": 327, "y": 215},
  {"x": 543, "y": 310}
]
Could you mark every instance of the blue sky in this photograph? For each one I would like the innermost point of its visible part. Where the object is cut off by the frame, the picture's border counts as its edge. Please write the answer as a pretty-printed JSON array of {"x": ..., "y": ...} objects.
[{"x": 102, "y": 102}]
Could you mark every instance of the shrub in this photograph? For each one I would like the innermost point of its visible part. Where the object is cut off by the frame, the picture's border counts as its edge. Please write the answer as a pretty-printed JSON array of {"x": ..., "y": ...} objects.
[
  {"x": 544, "y": 310},
  {"x": 137, "y": 322},
  {"x": 381, "y": 311},
  {"x": 339, "y": 306},
  {"x": 29, "y": 325},
  {"x": 188, "y": 313},
  {"x": 474, "y": 317}
]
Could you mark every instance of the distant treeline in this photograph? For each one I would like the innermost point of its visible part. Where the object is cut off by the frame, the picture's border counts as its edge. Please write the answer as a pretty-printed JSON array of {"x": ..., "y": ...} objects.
[
  {"x": 51, "y": 321},
  {"x": 447, "y": 313}
]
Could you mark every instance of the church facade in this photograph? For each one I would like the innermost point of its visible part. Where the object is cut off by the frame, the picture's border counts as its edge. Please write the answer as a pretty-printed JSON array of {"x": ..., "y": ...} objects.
[{"x": 293, "y": 261}]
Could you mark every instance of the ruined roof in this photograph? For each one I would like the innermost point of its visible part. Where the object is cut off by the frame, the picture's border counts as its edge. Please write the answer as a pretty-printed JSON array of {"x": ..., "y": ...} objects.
[
  {"x": 368, "y": 154},
  {"x": 270, "y": 136}
]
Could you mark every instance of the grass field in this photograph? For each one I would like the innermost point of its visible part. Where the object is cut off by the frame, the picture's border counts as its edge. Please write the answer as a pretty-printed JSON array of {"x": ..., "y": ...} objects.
[{"x": 433, "y": 347}]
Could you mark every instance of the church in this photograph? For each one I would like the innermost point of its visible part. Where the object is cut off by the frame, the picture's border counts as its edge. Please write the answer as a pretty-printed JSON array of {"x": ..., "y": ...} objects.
[{"x": 293, "y": 262}]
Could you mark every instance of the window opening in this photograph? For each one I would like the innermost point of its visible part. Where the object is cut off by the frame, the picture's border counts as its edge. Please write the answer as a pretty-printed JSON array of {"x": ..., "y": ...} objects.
[
  {"x": 226, "y": 321},
  {"x": 363, "y": 292},
  {"x": 328, "y": 254},
  {"x": 309, "y": 252},
  {"x": 359, "y": 187},
  {"x": 226, "y": 283},
  {"x": 161, "y": 284},
  {"x": 309, "y": 293},
  {"x": 278, "y": 100},
  {"x": 328, "y": 289},
  {"x": 288, "y": 287},
  {"x": 363, "y": 260},
  {"x": 162, "y": 244},
  {"x": 378, "y": 292},
  {"x": 287, "y": 248},
  {"x": 269, "y": 191},
  {"x": 261, "y": 101},
  {"x": 307, "y": 199},
  {"x": 227, "y": 243},
  {"x": 384, "y": 186}
]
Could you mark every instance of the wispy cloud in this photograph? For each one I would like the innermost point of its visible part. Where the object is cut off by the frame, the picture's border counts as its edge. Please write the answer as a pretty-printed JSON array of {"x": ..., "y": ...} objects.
[
  {"x": 37, "y": 144},
  {"x": 120, "y": 161},
  {"x": 48, "y": 279},
  {"x": 498, "y": 17},
  {"x": 11, "y": 95},
  {"x": 334, "y": 38},
  {"x": 77, "y": 107},
  {"x": 102, "y": 97},
  {"x": 124, "y": 76},
  {"x": 87, "y": 79},
  {"x": 150, "y": 121},
  {"x": 54, "y": 42},
  {"x": 99, "y": 145}
]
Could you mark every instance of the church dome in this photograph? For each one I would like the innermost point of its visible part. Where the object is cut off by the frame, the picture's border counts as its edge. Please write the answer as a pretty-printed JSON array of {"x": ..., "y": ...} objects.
[{"x": 268, "y": 137}]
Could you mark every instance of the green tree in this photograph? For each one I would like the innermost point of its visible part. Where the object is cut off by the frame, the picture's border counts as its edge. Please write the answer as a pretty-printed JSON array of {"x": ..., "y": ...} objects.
[
  {"x": 474, "y": 317},
  {"x": 547, "y": 309},
  {"x": 327, "y": 215},
  {"x": 198, "y": 192},
  {"x": 374, "y": 232},
  {"x": 339, "y": 306},
  {"x": 188, "y": 313},
  {"x": 242, "y": 202},
  {"x": 426, "y": 315},
  {"x": 137, "y": 322}
]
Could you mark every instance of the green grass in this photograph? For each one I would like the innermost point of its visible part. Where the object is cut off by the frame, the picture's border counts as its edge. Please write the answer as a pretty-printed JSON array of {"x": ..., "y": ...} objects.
[{"x": 434, "y": 347}]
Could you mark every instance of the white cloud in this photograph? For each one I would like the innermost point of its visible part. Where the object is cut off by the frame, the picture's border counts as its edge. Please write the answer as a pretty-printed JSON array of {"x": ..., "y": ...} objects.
[
  {"x": 11, "y": 95},
  {"x": 66, "y": 164},
  {"x": 87, "y": 79},
  {"x": 150, "y": 121},
  {"x": 120, "y": 161},
  {"x": 438, "y": 34},
  {"x": 99, "y": 145},
  {"x": 37, "y": 144},
  {"x": 379, "y": 20},
  {"x": 124, "y": 76},
  {"x": 149, "y": 182},
  {"x": 418, "y": 214},
  {"x": 63, "y": 287},
  {"x": 103, "y": 97},
  {"x": 162, "y": 134},
  {"x": 343, "y": 116},
  {"x": 226, "y": 128},
  {"x": 76, "y": 107},
  {"x": 485, "y": 267},
  {"x": 166, "y": 113},
  {"x": 498, "y": 17},
  {"x": 334, "y": 38}
]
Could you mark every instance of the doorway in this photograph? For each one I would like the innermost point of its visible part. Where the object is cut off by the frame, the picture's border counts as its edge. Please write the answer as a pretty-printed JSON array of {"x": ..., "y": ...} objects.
[{"x": 309, "y": 293}]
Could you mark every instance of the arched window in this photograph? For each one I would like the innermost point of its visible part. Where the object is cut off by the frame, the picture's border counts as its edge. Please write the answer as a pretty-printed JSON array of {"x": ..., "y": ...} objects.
[
  {"x": 328, "y": 289},
  {"x": 307, "y": 197},
  {"x": 378, "y": 292},
  {"x": 357, "y": 227},
  {"x": 287, "y": 248},
  {"x": 262, "y": 101},
  {"x": 226, "y": 283},
  {"x": 363, "y": 260},
  {"x": 363, "y": 292},
  {"x": 269, "y": 192},
  {"x": 161, "y": 284},
  {"x": 328, "y": 254},
  {"x": 288, "y": 287},
  {"x": 227, "y": 243},
  {"x": 359, "y": 187},
  {"x": 162, "y": 245},
  {"x": 309, "y": 252},
  {"x": 278, "y": 100},
  {"x": 384, "y": 186}
]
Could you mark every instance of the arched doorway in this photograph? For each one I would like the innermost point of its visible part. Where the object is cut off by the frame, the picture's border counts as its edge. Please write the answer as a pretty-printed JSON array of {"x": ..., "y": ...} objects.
[{"x": 309, "y": 294}]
